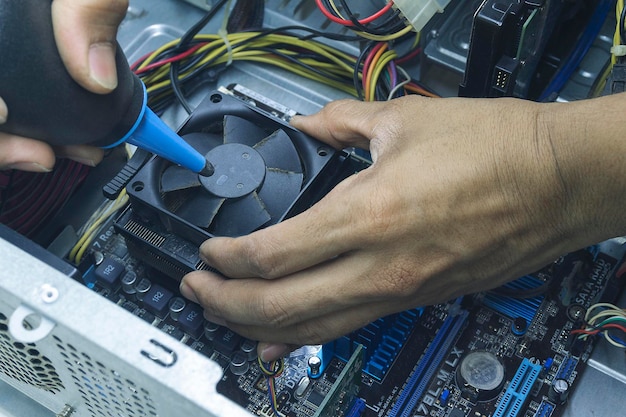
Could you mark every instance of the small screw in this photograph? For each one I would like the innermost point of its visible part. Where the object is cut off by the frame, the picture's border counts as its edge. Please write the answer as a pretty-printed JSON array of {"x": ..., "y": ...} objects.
[{"x": 49, "y": 294}]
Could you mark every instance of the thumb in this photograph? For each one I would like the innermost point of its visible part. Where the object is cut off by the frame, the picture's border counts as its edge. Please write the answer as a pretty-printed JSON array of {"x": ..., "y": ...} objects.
[{"x": 85, "y": 32}]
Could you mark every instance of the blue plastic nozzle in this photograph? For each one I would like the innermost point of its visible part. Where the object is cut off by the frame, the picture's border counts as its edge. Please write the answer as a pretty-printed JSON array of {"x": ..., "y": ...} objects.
[
  {"x": 152, "y": 134},
  {"x": 45, "y": 103}
]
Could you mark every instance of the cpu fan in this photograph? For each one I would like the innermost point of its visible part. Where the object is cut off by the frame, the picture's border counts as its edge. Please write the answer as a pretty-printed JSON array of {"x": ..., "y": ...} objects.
[
  {"x": 265, "y": 171},
  {"x": 257, "y": 177}
]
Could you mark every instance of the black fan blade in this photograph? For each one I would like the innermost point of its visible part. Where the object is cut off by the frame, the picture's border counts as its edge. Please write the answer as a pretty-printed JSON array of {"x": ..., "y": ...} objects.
[
  {"x": 240, "y": 216},
  {"x": 279, "y": 152},
  {"x": 178, "y": 178},
  {"x": 203, "y": 142},
  {"x": 279, "y": 190},
  {"x": 200, "y": 209},
  {"x": 238, "y": 130}
]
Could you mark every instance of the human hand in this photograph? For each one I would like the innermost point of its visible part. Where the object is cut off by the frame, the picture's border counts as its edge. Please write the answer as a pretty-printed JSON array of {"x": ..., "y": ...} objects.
[
  {"x": 85, "y": 32},
  {"x": 463, "y": 196}
]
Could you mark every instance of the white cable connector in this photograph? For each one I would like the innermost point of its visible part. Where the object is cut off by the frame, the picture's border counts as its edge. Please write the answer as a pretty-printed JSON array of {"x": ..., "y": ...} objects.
[
  {"x": 419, "y": 12},
  {"x": 618, "y": 50}
]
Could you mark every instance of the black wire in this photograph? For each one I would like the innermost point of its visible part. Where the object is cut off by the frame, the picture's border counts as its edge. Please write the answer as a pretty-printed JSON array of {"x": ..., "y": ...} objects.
[
  {"x": 358, "y": 86},
  {"x": 388, "y": 26},
  {"x": 161, "y": 98},
  {"x": 393, "y": 23},
  {"x": 182, "y": 45}
]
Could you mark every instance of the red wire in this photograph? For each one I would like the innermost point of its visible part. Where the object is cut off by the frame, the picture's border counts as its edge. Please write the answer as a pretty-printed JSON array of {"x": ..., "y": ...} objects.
[
  {"x": 368, "y": 62},
  {"x": 346, "y": 22},
  {"x": 408, "y": 56},
  {"x": 43, "y": 203},
  {"x": 596, "y": 331},
  {"x": 140, "y": 60},
  {"x": 171, "y": 59}
]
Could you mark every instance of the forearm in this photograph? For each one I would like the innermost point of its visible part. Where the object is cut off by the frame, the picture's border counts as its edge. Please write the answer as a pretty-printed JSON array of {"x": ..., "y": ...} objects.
[{"x": 588, "y": 139}]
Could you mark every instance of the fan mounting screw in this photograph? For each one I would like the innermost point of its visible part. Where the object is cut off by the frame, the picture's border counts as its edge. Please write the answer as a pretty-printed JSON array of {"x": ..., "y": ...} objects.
[{"x": 245, "y": 155}]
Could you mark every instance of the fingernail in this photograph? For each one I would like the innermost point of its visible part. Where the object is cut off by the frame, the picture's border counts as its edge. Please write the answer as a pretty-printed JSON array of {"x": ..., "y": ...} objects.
[
  {"x": 4, "y": 111},
  {"x": 84, "y": 161},
  {"x": 272, "y": 351},
  {"x": 295, "y": 119},
  {"x": 187, "y": 292},
  {"x": 29, "y": 166},
  {"x": 102, "y": 65}
]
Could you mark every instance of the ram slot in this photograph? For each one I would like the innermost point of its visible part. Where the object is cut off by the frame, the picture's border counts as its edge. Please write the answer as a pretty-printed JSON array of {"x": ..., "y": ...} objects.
[{"x": 428, "y": 365}]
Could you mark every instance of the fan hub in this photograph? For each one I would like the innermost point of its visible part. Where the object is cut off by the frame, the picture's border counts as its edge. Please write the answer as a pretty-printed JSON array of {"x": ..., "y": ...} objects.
[{"x": 239, "y": 170}]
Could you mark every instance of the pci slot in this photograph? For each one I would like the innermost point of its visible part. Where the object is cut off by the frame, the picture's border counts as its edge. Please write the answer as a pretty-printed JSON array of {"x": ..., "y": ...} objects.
[
  {"x": 428, "y": 365},
  {"x": 520, "y": 387}
]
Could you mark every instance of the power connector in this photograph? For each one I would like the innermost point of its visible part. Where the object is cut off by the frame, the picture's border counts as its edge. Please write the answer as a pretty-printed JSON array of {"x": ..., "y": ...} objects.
[{"x": 419, "y": 12}]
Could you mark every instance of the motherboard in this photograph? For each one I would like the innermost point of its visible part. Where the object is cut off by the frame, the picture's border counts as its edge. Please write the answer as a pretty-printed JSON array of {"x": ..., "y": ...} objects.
[{"x": 506, "y": 352}]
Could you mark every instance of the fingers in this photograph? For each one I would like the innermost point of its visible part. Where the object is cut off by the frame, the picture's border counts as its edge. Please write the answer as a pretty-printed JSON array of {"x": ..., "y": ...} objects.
[
  {"x": 4, "y": 111},
  {"x": 271, "y": 351},
  {"x": 279, "y": 302},
  {"x": 87, "y": 155},
  {"x": 250, "y": 308},
  {"x": 321, "y": 233},
  {"x": 85, "y": 33},
  {"x": 350, "y": 123},
  {"x": 25, "y": 154}
]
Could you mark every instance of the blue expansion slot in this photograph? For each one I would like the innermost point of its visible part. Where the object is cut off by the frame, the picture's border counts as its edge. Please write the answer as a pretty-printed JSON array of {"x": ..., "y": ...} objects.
[
  {"x": 520, "y": 387},
  {"x": 516, "y": 307},
  {"x": 567, "y": 368},
  {"x": 357, "y": 408},
  {"x": 545, "y": 409},
  {"x": 429, "y": 363}
]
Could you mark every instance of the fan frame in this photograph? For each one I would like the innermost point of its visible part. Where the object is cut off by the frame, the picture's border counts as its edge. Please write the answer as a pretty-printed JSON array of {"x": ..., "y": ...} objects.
[{"x": 319, "y": 163}]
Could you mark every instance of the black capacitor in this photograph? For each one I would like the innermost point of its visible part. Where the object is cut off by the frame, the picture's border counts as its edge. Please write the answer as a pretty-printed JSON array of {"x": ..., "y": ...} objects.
[
  {"x": 248, "y": 347},
  {"x": 176, "y": 305},
  {"x": 559, "y": 391},
  {"x": 239, "y": 364},
  {"x": 210, "y": 330},
  {"x": 142, "y": 288},
  {"x": 129, "y": 280}
]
